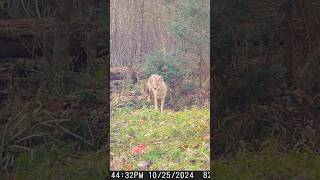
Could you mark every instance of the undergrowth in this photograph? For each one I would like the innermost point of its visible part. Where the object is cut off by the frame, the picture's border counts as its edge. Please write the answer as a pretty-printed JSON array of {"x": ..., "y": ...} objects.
[
  {"x": 268, "y": 164},
  {"x": 175, "y": 140},
  {"x": 59, "y": 162},
  {"x": 32, "y": 128}
]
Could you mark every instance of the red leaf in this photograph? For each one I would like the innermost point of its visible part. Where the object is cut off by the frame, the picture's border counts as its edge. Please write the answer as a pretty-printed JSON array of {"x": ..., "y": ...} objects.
[{"x": 139, "y": 149}]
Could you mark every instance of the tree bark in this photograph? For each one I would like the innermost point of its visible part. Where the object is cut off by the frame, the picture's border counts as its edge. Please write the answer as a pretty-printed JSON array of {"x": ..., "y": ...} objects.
[
  {"x": 134, "y": 47},
  {"x": 92, "y": 40},
  {"x": 290, "y": 40},
  {"x": 62, "y": 34},
  {"x": 199, "y": 56},
  {"x": 307, "y": 25},
  {"x": 141, "y": 45}
]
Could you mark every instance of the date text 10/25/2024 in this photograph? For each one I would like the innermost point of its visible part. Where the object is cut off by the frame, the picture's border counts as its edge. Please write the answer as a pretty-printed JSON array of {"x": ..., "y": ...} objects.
[{"x": 159, "y": 175}]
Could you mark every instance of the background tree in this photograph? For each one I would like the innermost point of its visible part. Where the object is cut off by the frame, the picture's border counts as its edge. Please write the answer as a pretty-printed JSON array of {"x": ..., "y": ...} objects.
[
  {"x": 191, "y": 30},
  {"x": 147, "y": 38},
  {"x": 62, "y": 35},
  {"x": 52, "y": 86},
  {"x": 264, "y": 62}
]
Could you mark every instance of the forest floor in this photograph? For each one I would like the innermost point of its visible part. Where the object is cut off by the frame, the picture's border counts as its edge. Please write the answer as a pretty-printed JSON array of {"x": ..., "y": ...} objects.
[
  {"x": 269, "y": 164},
  {"x": 60, "y": 163},
  {"x": 170, "y": 140},
  {"x": 146, "y": 139}
]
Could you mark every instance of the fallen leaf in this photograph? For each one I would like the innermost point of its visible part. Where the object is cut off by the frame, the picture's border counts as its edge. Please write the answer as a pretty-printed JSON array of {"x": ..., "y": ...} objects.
[
  {"x": 143, "y": 165},
  {"x": 184, "y": 147},
  {"x": 196, "y": 146},
  {"x": 139, "y": 149},
  {"x": 128, "y": 167}
]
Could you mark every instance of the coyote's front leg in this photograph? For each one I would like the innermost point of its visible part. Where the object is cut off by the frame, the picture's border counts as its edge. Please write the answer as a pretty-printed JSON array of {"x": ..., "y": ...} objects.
[
  {"x": 162, "y": 104},
  {"x": 155, "y": 101},
  {"x": 149, "y": 94}
]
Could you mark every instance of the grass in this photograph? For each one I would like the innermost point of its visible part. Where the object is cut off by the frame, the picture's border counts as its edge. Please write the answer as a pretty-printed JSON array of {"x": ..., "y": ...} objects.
[
  {"x": 175, "y": 140},
  {"x": 60, "y": 163},
  {"x": 268, "y": 165}
]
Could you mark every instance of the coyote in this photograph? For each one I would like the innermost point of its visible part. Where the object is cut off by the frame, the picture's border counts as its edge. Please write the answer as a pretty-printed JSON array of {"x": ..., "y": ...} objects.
[{"x": 158, "y": 88}]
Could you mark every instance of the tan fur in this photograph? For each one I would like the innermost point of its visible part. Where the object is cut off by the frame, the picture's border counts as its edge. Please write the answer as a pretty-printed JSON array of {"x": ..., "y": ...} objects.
[{"x": 158, "y": 89}]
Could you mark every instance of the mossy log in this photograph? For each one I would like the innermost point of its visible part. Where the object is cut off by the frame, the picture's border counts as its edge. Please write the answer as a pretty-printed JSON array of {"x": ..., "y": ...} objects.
[
  {"x": 25, "y": 38},
  {"x": 121, "y": 73}
]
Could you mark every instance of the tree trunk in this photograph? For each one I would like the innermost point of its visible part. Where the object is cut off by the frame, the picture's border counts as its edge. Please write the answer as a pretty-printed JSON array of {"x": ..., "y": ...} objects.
[
  {"x": 92, "y": 50},
  {"x": 307, "y": 25},
  {"x": 199, "y": 56},
  {"x": 141, "y": 45},
  {"x": 62, "y": 34},
  {"x": 92, "y": 40},
  {"x": 133, "y": 43},
  {"x": 290, "y": 40}
]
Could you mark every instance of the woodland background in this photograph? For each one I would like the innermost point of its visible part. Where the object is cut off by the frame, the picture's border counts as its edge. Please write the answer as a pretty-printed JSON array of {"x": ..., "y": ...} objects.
[
  {"x": 266, "y": 88},
  {"x": 169, "y": 38},
  {"x": 54, "y": 76},
  {"x": 53, "y": 89},
  {"x": 265, "y": 58}
]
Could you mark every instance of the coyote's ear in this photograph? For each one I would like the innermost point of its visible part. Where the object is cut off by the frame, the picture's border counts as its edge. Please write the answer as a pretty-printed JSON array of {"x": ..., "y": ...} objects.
[{"x": 161, "y": 78}]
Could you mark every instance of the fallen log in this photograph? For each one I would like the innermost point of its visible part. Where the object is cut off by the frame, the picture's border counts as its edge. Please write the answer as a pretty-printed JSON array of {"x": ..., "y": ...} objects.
[
  {"x": 26, "y": 38},
  {"x": 121, "y": 73},
  {"x": 13, "y": 28}
]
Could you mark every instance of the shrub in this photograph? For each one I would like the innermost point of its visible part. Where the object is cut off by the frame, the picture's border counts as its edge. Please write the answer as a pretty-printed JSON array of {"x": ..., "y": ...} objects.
[{"x": 159, "y": 63}]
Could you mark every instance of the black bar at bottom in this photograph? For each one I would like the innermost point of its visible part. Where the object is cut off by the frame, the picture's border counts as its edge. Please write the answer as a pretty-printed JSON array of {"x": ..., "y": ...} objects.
[{"x": 159, "y": 175}]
